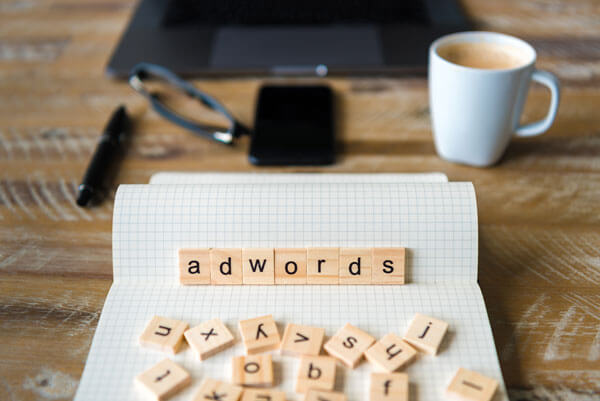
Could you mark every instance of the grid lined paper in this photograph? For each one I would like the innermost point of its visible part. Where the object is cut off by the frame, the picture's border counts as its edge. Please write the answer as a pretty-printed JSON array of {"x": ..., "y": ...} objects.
[{"x": 436, "y": 222}]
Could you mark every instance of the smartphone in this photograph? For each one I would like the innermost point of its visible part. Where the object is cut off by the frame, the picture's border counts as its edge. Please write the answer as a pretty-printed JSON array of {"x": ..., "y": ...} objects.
[{"x": 293, "y": 126}]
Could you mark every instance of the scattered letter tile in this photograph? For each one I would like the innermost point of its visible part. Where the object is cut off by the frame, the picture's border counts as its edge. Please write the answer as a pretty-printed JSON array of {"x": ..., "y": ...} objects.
[
  {"x": 253, "y": 370},
  {"x": 322, "y": 266},
  {"x": 426, "y": 333},
  {"x": 216, "y": 390},
  {"x": 226, "y": 266},
  {"x": 471, "y": 386},
  {"x": 267, "y": 394},
  {"x": 302, "y": 340},
  {"x": 389, "y": 386},
  {"x": 163, "y": 334},
  {"x": 290, "y": 266},
  {"x": 194, "y": 266},
  {"x": 388, "y": 266},
  {"x": 164, "y": 379},
  {"x": 355, "y": 265},
  {"x": 319, "y": 395},
  {"x": 315, "y": 372},
  {"x": 209, "y": 338},
  {"x": 390, "y": 353},
  {"x": 349, "y": 344},
  {"x": 258, "y": 266},
  {"x": 259, "y": 334}
]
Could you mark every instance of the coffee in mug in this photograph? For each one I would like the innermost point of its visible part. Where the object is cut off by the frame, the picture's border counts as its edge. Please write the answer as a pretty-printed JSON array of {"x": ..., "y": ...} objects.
[{"x": 478, "y": 83}]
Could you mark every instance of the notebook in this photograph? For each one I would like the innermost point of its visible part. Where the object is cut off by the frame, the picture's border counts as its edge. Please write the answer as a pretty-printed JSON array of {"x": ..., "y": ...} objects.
[{"x": 436, "y": 221}]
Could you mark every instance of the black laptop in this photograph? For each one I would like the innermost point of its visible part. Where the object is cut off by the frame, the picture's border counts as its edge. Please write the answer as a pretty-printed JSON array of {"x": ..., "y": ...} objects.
[{"x": 285, "y": 37}]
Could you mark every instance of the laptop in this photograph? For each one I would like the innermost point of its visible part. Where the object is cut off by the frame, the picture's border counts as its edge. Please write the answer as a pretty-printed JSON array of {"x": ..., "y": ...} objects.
[{"x": 285, "y": 37}]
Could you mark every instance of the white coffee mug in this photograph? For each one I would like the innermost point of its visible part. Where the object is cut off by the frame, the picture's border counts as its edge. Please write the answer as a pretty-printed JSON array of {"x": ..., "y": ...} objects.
[{"x": 475, "y": 112}]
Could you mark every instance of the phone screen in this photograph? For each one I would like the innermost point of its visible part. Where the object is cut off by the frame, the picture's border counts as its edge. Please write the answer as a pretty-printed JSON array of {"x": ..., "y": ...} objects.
[{"x": 293, "y": 126}]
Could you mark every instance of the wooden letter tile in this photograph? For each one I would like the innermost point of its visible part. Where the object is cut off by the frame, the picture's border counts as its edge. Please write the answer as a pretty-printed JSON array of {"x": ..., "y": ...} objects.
[
  {"x": 226, "y": 266},
  {"x": 390, "y": 353},
  {"x": 164, "y": 379},
  {"x": 194, "y": 266},
  {"x": 267, "y": 394},
  {"x": 212, "y": 389},
  {"x": 290, "y": 266},
  {"x": 302, "y": 340},
  {"x": 253, "y": 370},
  {"x": 316, "y": 372},
  {"x": 389, "y": 387},
  {"x": 209, "y": 338},
  {"x": 355, "y": 265},
  {"x": 322, "y": 265},
  {"x": 349, "y": 344},
  {"x": 258, "y": 266},
  {"x": 426, "y": 333},
  {"x": 319, "y": 395},
  {"x": 471, "y": 386},
  {"x": 163, "y": 334},
  {"x": 259, "y": 334},
  {"x": 388, "y": 266}
]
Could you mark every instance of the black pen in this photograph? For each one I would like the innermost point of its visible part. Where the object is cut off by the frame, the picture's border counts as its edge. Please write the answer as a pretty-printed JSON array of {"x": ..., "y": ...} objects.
[{"x": 107, "y": 153}]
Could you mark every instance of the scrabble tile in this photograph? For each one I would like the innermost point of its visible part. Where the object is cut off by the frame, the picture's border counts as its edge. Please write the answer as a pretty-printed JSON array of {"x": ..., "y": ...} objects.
[
  {"x": 390, "y": 353},
  {"x": 267, "y": 394},
  {"x": 209, "y": 338},
  {"x": 225, "y": 266},
  {"x": 216, "y": 390},
  {"x": 315, "y": 372},
  {"x": 388, "y": 266},
  {"x": 259, "y": 334},
  {"x": 322, "y": 265},
  {"x": 253, "y": 370},
  {"x": 319, "y": 395},
  {"x": 164, "y": 379},
  {"x": 355, "y": 265},
  {"x": 426, "y": 333},
  {"x": 194, "y": 266},
  {"x": 471, "y": 386},
  {"x": 349, "y": 344},
  {"x": 290, "y": 266},
  {"x": 258, "y": 266},
  {"x": 302, "y": 340},
  {"x": 389, "y": 387},
  {"x": 163, "y": 334}
]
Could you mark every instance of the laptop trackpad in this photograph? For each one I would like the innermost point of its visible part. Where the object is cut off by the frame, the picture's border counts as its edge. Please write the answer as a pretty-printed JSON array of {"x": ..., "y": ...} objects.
[{"x": 289, "y": 47}]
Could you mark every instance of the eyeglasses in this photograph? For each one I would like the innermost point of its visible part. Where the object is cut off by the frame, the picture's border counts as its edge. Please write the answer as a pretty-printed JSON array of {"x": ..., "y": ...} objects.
[{"x": 145, "y": 71}]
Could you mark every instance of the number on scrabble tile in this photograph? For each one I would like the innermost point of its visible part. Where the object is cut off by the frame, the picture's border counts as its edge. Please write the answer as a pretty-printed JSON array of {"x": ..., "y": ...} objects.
[
  {"x": 209, "y": 338},
  {"x": 349, "y": 344},
  {"x": 471, "y": 386},
  {"x": 163, "y": 334},
  {"x": 426, "y": 333},
  {"x": 164, "y": 379},
  {"x": 253, "y": 370},
  {"x": 390, "y": 353}
]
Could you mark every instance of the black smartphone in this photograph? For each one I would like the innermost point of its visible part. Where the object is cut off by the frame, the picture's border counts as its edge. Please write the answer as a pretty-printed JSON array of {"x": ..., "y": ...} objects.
[{"x": 293, "y": 126}]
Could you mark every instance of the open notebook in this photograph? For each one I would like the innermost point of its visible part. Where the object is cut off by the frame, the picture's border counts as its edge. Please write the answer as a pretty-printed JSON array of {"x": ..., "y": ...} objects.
[{"x": 436, "y": 221}]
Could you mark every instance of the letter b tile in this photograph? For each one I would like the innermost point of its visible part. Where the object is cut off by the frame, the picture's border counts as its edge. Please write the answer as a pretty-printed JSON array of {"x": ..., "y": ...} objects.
[{"x": 316, "y": 372}]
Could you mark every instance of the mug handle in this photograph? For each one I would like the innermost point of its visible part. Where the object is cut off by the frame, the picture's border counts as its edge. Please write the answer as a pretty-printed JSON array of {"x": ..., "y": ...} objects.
[{"x": 539, "y": 127}]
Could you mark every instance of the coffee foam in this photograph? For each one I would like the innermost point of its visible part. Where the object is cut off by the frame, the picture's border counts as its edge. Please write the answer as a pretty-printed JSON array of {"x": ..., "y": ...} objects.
[{"x": 484, "y": 55}]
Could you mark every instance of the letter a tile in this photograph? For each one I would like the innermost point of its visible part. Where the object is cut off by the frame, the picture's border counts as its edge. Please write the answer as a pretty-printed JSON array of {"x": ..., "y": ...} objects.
[
  {"x": 355, "y": 265},
  {"x": 389, "y": 386},
  {"x": 319, "y": 395},
  {"x": 259, "y": 334},
  {"x": 163, "y": 334},
  {"x": 315, "y": 372},
  {"x": 194, "y": 266},
  {"x": 164, "y": 379},
  {"x": 471, "y": 386},
  {"x": 215, "y": 390},
  {"x": 349, "y": 344},
  {"x": 226, "y": 266},
  {"x": 426, "y": 333},
  {"x": 209, "y": 338},
  {"x": 253, "y": 370},
  {"x": 390, "y": 353},
  {"x": 302, "y": 340},
  {"x": 255, "y": 394},
  {"x": 258, "y": 266}
]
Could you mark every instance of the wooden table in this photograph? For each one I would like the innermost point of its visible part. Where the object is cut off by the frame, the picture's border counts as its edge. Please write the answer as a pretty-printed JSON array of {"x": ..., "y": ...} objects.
[{"x": 538, "y": 209}]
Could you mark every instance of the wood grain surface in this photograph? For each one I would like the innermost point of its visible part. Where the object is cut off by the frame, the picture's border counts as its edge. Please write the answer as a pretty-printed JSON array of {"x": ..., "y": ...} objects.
[{"x": 538, "y": 209}]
